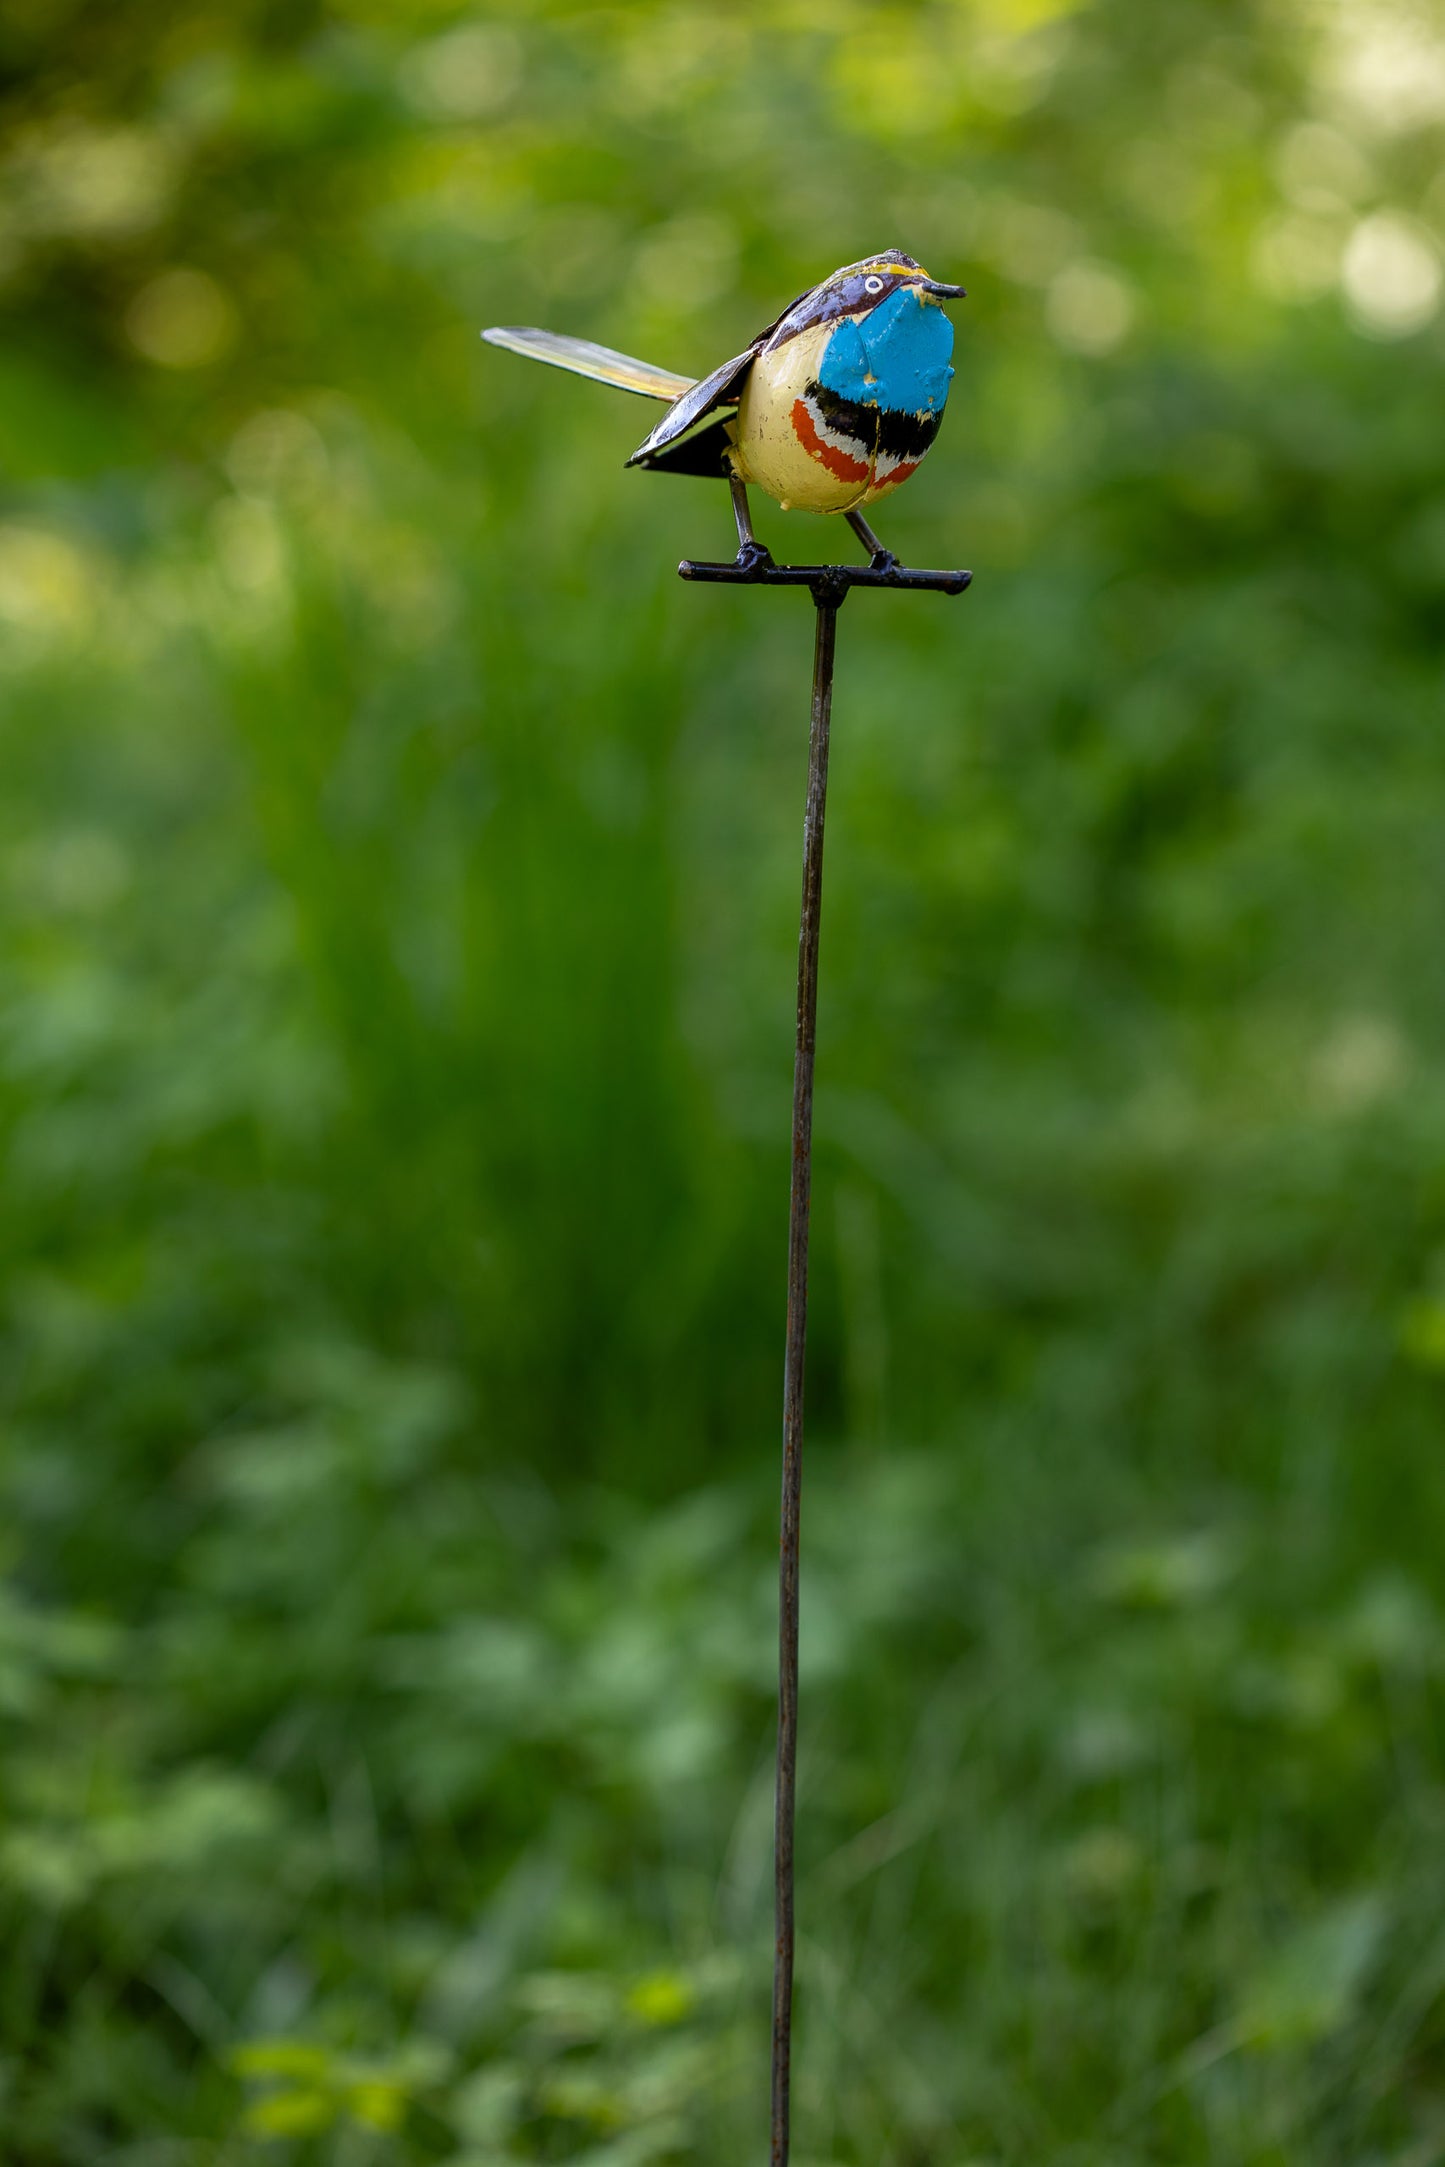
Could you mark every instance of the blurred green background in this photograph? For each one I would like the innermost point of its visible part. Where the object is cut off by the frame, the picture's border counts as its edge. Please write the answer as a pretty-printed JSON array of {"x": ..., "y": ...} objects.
[{"x": 399, "y": 874}]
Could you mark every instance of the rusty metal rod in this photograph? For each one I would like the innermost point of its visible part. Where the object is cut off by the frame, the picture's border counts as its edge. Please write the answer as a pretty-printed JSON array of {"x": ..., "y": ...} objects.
[{"x": 801, "y": 1197}]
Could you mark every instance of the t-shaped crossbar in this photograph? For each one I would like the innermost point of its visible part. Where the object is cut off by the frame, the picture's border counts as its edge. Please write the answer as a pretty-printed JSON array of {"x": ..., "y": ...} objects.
[{"x": 829, "y": 582}]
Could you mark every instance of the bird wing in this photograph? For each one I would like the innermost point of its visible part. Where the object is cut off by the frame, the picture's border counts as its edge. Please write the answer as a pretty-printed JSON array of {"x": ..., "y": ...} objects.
[
  {"x": 722, "y": 388},
  {"x": 706, "y": 451},
  {"x": 585, "y": 359}
]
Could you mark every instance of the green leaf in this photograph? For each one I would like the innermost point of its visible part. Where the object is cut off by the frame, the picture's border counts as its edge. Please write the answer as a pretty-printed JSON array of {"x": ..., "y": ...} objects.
[
  {"x": 376, "y": 2104},
  {"x": 282, "y": 2058},
  {"x": 1171, "y": 1574},
  {"x": 291, "y": 2114},
  {"x": 1422, "y": 1332},
  {"x": 1309, "y": 1986}
]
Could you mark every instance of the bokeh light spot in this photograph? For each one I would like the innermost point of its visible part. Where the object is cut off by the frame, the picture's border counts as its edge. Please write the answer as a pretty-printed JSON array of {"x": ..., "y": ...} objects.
[
  {"x": 182, "y": 319},
  {"x": 1391, "y": 276},
  {"x": 91, "y": 183},
  {"x": 688, "y": 260},
  {"x": 276, "y": 452},
  {"x": 1089, "y": 307},
  {"x": 45, "y": 582},
  {"x": 464, "y": 75},
  {"x": 1388, "y": 66},
  {"x": 1296, "y": 258},
  {"x": 1030, "y": 242},
  {"x": 1319, "y": 169}
]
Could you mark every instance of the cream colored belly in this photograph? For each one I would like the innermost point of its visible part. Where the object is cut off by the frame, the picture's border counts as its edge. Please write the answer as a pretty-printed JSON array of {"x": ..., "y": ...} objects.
[{"x": 769, "y": 450}]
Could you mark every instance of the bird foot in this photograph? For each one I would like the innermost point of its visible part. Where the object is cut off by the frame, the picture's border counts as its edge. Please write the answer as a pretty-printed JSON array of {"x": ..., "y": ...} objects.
[
  {"x": 883, "y": 560},
  {"x": 753, "y": 557}
]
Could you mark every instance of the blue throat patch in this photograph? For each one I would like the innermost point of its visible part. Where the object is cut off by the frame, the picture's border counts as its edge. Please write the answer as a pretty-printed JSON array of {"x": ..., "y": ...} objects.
[{"x": 896, "y": 358}]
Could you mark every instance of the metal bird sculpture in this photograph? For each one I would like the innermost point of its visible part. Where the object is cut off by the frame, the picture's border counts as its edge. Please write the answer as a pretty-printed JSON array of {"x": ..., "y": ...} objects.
[{"x": 828, "y": 409}]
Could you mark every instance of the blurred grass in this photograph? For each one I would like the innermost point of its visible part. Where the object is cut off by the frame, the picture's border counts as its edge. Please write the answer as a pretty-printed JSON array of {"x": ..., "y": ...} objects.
[{"x": 399, "y": 899}]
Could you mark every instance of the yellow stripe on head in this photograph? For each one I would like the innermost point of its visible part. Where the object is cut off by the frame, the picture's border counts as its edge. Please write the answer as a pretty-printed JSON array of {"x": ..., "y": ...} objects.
[{"x": 893, "y": 270}]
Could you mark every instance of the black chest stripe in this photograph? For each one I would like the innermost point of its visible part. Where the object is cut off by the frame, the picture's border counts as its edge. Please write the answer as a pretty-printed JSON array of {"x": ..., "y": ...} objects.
[{"x": 899, "y": 435}]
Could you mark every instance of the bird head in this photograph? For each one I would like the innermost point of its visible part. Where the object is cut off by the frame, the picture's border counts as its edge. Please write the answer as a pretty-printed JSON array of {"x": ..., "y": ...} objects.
[{"x": 859, "y": 288}]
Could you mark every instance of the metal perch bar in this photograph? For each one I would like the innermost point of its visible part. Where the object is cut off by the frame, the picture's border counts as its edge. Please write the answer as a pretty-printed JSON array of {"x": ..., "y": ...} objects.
[
  {"x": 829, "y": 584},
  {"x": 826, "y": 580}
]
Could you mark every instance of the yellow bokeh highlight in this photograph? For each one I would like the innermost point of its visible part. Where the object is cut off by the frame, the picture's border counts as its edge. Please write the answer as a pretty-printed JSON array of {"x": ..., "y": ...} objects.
[{"x": 662, "y": 1997}]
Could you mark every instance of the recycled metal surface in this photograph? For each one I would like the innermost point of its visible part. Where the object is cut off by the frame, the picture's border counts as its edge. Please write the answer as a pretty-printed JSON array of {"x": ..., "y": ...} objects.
[{"x": 830, "y": 585}]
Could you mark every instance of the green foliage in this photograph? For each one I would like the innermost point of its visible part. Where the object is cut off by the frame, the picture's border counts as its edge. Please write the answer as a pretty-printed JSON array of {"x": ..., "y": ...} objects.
[{"x": 398, "y": 880}]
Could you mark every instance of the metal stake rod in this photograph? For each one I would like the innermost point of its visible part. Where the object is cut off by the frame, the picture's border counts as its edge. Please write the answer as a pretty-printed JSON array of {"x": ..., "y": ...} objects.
[
  {"x": 800, "y": 1200},
  {"x": 830, "y": 584}
]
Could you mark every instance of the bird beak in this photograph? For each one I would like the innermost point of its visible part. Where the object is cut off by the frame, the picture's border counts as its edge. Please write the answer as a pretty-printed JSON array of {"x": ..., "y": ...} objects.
[{"x": 936, "y": 286}]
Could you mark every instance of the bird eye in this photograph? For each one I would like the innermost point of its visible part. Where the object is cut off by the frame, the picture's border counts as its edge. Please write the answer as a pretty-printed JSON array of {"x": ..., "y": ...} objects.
[{"x": 872, "y": 285}]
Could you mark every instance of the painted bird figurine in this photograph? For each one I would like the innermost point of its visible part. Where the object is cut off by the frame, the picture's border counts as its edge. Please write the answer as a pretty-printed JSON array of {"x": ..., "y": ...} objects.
[{"x": 827, "y": 410}]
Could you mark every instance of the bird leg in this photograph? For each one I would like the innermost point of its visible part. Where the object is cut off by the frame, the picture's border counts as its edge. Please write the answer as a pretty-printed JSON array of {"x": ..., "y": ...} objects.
[
  {"x": 879, "y": 558},
  {"x": 752, "y": 556}
]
